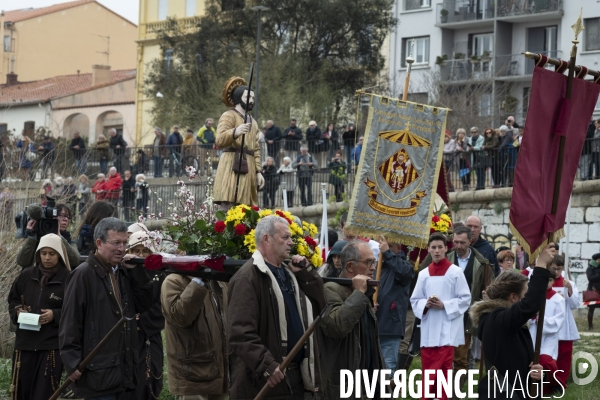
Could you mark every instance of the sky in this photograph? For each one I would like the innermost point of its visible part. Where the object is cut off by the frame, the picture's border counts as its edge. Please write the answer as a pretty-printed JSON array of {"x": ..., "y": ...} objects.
[{"x": 126, "y": 8}]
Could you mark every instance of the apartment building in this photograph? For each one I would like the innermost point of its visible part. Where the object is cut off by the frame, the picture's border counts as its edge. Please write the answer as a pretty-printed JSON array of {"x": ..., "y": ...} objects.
[{"x": 464, "y": 42}]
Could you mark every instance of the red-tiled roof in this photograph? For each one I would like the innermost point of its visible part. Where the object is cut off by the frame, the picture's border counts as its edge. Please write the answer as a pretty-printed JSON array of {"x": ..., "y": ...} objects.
[
  {"x": 46, "y": 89},
  {"x": 27, "y": 13}
]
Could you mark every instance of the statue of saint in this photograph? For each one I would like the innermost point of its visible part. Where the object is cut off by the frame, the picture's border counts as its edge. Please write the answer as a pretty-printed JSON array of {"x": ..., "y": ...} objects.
[{"x": 230, "y": 131}]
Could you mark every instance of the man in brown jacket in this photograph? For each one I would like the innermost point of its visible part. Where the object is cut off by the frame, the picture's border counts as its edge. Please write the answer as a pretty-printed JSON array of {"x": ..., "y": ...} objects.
[
  {"x": 348, "y": 335},
  {"x": 195, "y": 312},
  {"x": 271, "y": 304},
  {"x": 98, "y": 293}
]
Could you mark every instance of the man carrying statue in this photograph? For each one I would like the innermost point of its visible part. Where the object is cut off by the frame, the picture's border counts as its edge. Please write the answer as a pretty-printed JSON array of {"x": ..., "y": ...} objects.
[{"x": 231, "y": 131}]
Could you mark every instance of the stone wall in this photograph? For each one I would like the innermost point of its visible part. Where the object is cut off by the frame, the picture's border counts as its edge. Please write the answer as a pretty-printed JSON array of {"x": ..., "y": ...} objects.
[{"x": 493, "y": 206}]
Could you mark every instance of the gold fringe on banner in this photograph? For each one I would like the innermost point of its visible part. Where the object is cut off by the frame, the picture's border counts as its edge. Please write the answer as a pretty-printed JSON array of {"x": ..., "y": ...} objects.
[{"x": 553, "y": 237}]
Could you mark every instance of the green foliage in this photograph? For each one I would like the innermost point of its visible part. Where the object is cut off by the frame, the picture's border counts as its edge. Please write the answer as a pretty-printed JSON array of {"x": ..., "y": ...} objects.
[{"x": 314, "y": 55}]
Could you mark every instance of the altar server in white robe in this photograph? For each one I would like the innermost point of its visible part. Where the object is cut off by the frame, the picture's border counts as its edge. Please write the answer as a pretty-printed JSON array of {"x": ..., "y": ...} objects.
[
  {"x": 440, "y": 299},
  {"x": 554, "y": 319},
  {"x": 568, "y": 333}
]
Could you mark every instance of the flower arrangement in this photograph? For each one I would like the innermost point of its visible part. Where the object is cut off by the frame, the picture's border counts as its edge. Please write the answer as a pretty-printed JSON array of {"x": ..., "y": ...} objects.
[
  {"x": 440, "y": 223},
  {"x": 204, "y": 231}
]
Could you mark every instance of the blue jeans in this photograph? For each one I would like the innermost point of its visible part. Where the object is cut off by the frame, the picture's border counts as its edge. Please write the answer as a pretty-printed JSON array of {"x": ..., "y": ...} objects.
[
  {"x": 349, "y": 161},
  {"x": 104, "y": 166},
  {"x": 81, "y": 165},
  {"x": 389, "y": 350},
  {"x": 158, "y": 166}
]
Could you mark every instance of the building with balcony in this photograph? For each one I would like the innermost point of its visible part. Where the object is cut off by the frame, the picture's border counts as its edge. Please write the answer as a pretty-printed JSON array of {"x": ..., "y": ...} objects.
[
  {"x": 153, "y": 19},
  {"x": 459, "y": 43},
  {"x": 64, "y": 39}
]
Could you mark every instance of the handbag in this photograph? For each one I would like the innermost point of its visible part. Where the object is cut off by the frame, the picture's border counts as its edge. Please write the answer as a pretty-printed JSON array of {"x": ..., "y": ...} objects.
[
  {"x": 31, "y": 156},
  {"x": 591, "y": 295}
]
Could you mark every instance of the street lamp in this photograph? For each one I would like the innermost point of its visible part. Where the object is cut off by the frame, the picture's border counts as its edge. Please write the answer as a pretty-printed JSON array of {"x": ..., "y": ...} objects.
[{"x": 259, "y": 9}]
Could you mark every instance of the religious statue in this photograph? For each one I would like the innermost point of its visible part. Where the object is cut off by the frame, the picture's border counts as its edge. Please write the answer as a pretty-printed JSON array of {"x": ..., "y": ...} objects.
[{"x": 230, "y": 131}]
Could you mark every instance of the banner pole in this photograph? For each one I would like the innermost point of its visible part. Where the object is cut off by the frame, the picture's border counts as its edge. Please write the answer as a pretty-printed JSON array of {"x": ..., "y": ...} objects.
[{"x": 409, "y": 61}]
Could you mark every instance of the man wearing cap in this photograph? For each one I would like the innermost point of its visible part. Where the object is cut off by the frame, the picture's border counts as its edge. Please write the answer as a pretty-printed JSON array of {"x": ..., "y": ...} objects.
[{"x": 232, "y": 128}]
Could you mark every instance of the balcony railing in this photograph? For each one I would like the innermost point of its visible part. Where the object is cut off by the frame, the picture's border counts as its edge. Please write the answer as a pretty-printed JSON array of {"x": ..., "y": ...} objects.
[
  {"x": 514, "y": 65},
  {"x": 185, "y": 24},
  {"x": 508, "y": 8},
  {"x": 463, "y": 10},
  {"x": 462, "y": 70}
]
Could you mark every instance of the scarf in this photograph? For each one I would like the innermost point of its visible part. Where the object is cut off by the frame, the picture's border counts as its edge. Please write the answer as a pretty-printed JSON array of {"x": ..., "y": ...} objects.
[
  {"x": 439, "y": 269},
  {"x": 48, "y": 273}
]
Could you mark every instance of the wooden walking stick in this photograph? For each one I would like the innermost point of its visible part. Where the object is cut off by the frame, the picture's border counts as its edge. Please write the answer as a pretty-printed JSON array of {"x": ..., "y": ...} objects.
[
  {"x": 288, "y": 359},
  {"x": 242, "y": 154},
  {"x": 482, "y": 359},
  {"x": 577, "y": 28},
  {"x": 81, "y": 367}
]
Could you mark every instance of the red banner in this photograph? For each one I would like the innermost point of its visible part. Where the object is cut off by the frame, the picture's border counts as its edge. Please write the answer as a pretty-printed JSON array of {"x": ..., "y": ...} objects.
[{"x": 550, "y": 116}]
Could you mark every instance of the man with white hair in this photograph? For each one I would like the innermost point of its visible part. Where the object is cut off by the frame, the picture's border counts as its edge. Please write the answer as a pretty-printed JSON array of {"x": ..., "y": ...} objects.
[
  {"x": 113, "y": 188},
  {"x": 305, "y": 164},
  {"x": 270, "y": 305},
  {"x": 273, "y": 137}
]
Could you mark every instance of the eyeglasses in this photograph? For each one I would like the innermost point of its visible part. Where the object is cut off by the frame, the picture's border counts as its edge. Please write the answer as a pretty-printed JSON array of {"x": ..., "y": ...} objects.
[
  {"x": 62, "y": 216},
  {"x": 118, "y": 245},
  {"x": 368, "y": 263},
  {"x": 474, "y": 131}
]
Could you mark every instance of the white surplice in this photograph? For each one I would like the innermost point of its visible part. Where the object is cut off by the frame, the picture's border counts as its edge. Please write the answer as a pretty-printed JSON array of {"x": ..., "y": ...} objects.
[
  {"x": 554, "y": 318},
  {"x": 442, "y": 327},
  {"x": 569, "y": 329}
]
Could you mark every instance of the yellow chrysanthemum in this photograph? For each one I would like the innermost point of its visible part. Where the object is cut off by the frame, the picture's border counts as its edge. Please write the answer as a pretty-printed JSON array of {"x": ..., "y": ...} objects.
[
  {"x": 312, "y": 229},
  {"x": 296, "y": 230},
  {"x": 316, "y": 259},
  {"x": 250, "y": 242},
  {"x": 265, "y": 213},
  {"x": 236, "y": 214}
]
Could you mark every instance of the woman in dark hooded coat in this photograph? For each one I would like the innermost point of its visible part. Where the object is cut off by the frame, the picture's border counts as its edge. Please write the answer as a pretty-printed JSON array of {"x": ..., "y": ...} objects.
[{"x": 502, "y": 327}]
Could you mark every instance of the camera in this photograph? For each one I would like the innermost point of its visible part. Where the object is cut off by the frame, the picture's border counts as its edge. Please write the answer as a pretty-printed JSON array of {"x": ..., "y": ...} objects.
[{"x": 46, "y": 217}]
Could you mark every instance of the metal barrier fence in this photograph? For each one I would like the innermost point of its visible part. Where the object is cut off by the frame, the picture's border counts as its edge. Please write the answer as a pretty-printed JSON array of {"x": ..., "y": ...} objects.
[{"x": 465, "y": 170}]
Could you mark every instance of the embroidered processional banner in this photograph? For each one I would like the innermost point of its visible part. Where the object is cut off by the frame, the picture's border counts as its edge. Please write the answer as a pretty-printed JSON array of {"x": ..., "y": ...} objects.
[{"x": 398, "y": 173}]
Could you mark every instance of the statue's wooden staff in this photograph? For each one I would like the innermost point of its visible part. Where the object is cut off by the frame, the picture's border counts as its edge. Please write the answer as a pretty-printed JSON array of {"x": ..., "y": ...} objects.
[
  {"x": 81, "y": 367},
  {"x": 288, "y": 359},
  {"x": 242, "y": 154}
]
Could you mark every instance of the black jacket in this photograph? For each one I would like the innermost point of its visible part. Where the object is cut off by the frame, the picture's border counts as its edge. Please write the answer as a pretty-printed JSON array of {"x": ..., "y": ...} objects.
[
  {"x": 485, "y": 249},
  {"x": 396, "y": 276},
  {"x": 273, "y": 133},
  {"x": 333, "y": 142},
  {"x": 80, "y": 152},
  {"x": 292, "y": 142},
  {"x": 315, "y": 140},
  {"x": 152, "y": 320},
  {"x": 128, "y": 184},
  {"x": 50, "y": 297},
  {"x": 271, "y": 177},
  {"x": 117, "y": 141},
  {"x": 349, "y": 137},
  {"x": 593, "y": 275},
  {"x": 90, "y": 311},
  {"x": 504, "y": 333}
]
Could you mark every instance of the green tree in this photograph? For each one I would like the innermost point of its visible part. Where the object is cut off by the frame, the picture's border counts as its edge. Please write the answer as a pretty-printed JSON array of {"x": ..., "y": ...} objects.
[{"x": 314, "y": 55}]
